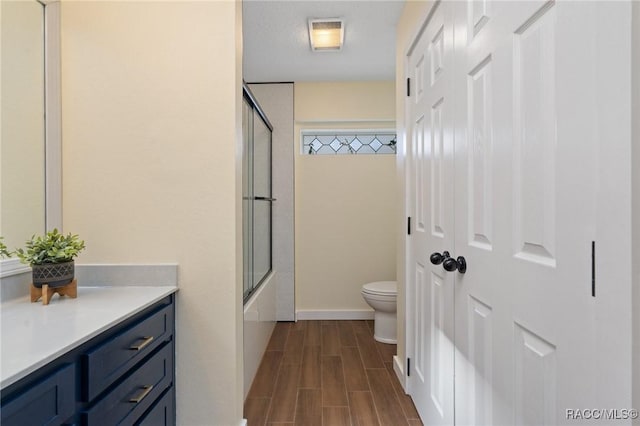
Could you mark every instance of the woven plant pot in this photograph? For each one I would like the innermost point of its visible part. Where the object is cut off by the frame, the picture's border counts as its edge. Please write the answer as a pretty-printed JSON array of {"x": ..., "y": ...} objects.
[{"x": 53, "y": 274}]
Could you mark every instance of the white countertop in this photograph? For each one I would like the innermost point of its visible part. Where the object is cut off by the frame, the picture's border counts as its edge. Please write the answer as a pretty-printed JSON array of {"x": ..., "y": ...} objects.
[{"x": 34, "y": 335}]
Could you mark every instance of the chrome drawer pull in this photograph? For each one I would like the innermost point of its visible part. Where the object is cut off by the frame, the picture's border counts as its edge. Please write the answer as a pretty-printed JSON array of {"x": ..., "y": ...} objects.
[
  {"x": 142, "y": 345},
  {"x": 142, "y": 395}
]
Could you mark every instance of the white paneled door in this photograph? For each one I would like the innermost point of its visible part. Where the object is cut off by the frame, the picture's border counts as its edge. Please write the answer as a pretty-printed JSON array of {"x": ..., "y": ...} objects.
[
  {"x": 502, "y": 143},
  {"x": 430, "y": 147}
]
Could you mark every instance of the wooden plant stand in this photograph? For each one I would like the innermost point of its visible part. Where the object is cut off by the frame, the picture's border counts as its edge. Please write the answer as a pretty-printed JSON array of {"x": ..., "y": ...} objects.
[{"x": 47, "y": 292}]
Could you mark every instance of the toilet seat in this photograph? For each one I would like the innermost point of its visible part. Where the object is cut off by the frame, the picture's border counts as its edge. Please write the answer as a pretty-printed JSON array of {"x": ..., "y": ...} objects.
[{"x": 381, "y": 288}]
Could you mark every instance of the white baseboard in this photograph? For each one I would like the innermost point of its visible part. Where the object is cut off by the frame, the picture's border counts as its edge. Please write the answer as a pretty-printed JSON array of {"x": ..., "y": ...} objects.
[
  {"x": 399, "y": 370},
  {"x": 243, "y": 422},
  {"x": 334, "y": 314}
]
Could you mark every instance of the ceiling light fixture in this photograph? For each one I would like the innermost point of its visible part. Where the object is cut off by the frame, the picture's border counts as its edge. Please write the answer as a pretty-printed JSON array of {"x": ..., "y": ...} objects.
[{"x": 326, "y": 35}]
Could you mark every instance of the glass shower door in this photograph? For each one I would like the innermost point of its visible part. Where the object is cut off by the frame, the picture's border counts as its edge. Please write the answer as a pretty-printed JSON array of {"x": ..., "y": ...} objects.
[
  {"x": 262, "y": 201},
  {"x": 256, "y": 195},
  {"x": 247, "y": 198}
]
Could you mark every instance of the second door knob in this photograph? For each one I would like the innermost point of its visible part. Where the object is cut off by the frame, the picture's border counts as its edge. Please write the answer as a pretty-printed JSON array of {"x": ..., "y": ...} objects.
[{"x": 450, "y": 264}]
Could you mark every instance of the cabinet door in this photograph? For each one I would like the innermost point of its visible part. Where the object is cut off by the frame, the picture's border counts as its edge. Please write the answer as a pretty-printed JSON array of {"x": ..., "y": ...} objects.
[
  {"x": 107, "y": 362},
  {"x": 132, "y": 397},
  {"x": 162, "y": 413},
  {"x": 48, "y": 402}
]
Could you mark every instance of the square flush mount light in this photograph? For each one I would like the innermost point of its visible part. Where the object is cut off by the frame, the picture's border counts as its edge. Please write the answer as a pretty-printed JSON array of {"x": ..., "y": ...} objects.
[{"x": 326, "y": 35}]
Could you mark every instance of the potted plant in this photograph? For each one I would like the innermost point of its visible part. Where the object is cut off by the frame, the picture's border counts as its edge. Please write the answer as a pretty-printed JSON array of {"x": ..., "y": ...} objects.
[{"x": 51, "y": 258}]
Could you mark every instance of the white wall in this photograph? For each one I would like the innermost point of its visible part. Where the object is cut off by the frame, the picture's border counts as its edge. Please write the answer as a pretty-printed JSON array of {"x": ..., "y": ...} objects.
[
  {"x": 152, "y": 169},
  {"x": 635, "y": 208},
  {"x": 345, "y": 204},
  {"x": 413, "y": 15},
  {"x": 276, "y": 100}
]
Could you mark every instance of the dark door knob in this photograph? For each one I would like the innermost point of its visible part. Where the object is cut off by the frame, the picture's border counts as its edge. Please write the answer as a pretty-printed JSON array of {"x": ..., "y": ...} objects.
[
  {"x": 450, "y": 264},
  {"x": 437, "y": 258}
]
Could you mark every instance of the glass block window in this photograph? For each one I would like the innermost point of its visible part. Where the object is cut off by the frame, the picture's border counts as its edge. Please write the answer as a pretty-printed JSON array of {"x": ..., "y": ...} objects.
[{"x": 348, "y": 142}]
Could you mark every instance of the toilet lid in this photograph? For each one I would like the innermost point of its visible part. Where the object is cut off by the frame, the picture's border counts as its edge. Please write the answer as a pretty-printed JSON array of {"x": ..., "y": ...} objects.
[{"x": 381, "y": 287}]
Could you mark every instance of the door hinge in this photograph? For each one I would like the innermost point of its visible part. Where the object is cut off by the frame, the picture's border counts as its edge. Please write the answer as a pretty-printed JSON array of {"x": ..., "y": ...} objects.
[
  {"x": 593, "y": 268},
  {"x": 408, "y": 87},
  {"x": 408, "y": 367},
  {"x": 409, "y": 225}
]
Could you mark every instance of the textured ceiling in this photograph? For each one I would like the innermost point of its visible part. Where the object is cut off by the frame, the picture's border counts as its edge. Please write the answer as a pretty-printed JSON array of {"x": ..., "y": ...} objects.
[{"x": 276, "y": 40}]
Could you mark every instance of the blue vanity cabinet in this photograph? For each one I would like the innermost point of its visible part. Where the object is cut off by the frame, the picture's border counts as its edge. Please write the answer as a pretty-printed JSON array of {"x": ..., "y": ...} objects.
[
  {"x": 161, "y": 413},
  {"x": 109, "y": 360},
  {"x": 48, "y": 402},
  {"x": 132, "y": 397},
  {"x": 125, "y": 375}
]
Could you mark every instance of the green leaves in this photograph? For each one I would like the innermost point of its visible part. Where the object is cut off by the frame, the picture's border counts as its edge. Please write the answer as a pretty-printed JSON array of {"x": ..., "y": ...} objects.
[
  {"x": 51, "y": 248},
  {"x": 4, "y": 252}
]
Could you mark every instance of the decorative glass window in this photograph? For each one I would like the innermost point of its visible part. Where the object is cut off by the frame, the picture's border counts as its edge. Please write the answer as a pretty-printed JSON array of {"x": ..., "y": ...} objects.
[{"x": 348, "y": 142}]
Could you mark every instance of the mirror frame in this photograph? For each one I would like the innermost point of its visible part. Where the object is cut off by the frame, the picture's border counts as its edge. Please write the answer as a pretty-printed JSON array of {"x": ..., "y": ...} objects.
[{"x": 53, "y": 130}]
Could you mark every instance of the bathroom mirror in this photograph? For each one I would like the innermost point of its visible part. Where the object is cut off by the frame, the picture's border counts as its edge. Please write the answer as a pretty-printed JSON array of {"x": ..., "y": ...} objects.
[{"x": 29, "y": 144}]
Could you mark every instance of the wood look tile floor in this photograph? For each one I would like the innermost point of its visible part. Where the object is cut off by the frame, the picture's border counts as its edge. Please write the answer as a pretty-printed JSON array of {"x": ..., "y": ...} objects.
[{"x": 328, "y": 373}]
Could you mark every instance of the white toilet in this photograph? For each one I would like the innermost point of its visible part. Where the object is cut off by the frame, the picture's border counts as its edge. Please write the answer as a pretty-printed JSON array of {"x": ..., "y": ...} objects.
[{"x": 381, "y": 296}]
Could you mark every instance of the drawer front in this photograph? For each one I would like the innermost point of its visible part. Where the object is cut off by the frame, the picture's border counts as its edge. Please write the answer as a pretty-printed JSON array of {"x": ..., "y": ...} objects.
[
  {"x": 132, "y": 397},
  {"x": 48, "y": 402},
  {"x": 107, "y": 362},
  {"x": 161, "y": 413}
]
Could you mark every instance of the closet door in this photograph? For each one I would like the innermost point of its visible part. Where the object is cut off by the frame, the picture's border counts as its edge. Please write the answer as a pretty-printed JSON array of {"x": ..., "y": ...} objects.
[
  {"x": 508, "y": 148},
  {"x": 430, "y": 289},
  {"x": 526, "y": 212}
]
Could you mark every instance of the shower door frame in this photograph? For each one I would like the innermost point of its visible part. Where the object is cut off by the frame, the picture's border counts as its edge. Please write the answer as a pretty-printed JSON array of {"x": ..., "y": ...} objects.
[{"x": 256, "y": 111}]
